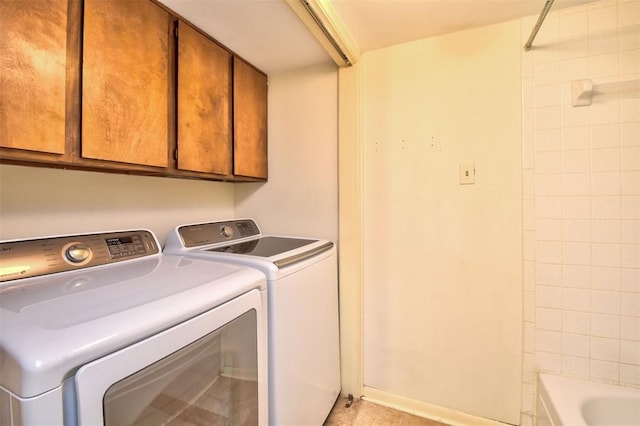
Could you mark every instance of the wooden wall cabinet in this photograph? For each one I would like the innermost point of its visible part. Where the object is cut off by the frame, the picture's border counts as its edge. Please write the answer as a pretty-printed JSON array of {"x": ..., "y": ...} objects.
[
  {"x": 204, "y": 104},
  {"x": 126, "y": 80},
  {"x": 111, "y": 85},
  {"x": 33, "y": 49},
  {"x": 249, "y": 120}
]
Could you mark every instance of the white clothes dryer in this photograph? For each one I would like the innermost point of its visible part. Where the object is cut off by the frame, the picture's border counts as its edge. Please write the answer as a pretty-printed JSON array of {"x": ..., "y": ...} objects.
[
  {"x": 302, "y": 282},
  {"x": 104, "y": 329}
]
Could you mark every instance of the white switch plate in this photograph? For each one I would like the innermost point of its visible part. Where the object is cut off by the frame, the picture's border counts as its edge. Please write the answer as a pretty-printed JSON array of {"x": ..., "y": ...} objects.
[{"x": 467, "y": 173}]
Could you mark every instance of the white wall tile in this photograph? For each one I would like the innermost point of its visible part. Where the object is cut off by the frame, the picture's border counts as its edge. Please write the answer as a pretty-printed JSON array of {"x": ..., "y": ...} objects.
[
  {"x": 606, "y": 207},
  {"x": 548, "y": 341},
  {"x": 604, "y": 370},
  {"x": 548, "y": 362},
  {"x": 630, "y": 374},
  {"x": 606, "y": 255},
  {"x": 606, "y": 160},
  {"x": 528, "y": 337},
  {"x": 628, "y": 14},
  {"x": 605, "y": 136},
  {"x": 605, "y": 349},
  {"x": 549, "y": 297},
  {"x": 576, "y": 299},
  {"x": 603, "y": 278},
  {"x": 629, "y": 63},
  {"x": 547, "y": 95},
  {"x": 548, "y": 207},
  {"x": 576, "y": 161},
  {"x": 548, "y": 139},
  {"x": 549, "y": 161},
  {"x": 576, "y": 276},
  {"x": 605, "y": 231},
  {"x": 576, "y": 230},
  {"x": 605, "y": 183},
  {"x": 586, "y": 172},
  {"x": 630, "y": 279},
  {"x": 630, "y": 328},
  {"x": 573, "y": 24},
  {"x": 603, "y": 18},
  {"x": 631, "y": 183},
  {"x": 548, "y": 185},
  {"x": 576, "y": 184},
  {"x": 576, "y": 253},
  {"x": 548, "y": 319},
  {"x": 577, "y": 137},
  {"x": 630, "y": 352},
  {"x": 575, "y": 344},
  {"x": 548, "y": 274},
  {"x": 529, "y": 306},
  {"x": 605, "y": 302},
  {"x": 630, "y": 232},
  {"x": 629, "y": 110},
  {"x": 630, "y": 158},
  {"x": 528, "y": 371},
  {"x": 631, "y": 304},
  {"x": 548, "y": 252},
  {"x": 548, "y": 229},
  {"x": 605, "y": 326},
  {"x": 575, "y": 366},
  {"x": 576, "y": 322}
]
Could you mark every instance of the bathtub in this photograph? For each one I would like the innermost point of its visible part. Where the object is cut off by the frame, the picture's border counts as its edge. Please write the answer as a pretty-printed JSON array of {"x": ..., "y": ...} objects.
[{"x": 564, "y": 401}]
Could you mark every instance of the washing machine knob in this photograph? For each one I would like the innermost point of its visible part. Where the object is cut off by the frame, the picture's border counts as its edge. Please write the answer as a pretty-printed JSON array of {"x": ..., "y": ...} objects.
[
  {"x": 77, "y": 253},
  {"x": 226, "y": 231}
]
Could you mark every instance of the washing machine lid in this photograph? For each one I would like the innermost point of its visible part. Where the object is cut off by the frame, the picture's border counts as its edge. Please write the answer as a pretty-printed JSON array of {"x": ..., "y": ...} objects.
[
  {"x": 240, "y": 241},
  {"x": 51, "y": 325}
]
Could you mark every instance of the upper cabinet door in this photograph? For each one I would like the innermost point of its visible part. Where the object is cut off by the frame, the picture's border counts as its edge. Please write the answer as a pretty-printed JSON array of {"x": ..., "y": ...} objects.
[
  {"x": 126, "y": 82},
  {"x": 204, "y": 104},
  {"x": 249, "y": 120},
  {"x": 33, "y": 49}
]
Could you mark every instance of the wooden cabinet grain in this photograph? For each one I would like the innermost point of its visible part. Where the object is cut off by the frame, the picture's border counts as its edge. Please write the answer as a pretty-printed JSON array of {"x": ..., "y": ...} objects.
[
  {"x": 125, "y": 82},
  {"x": 109, "y": 85},
  {"x": 249, "y": 120},
  {"x": 33, "y": 46},
  {"x": 204, "y": 104}
]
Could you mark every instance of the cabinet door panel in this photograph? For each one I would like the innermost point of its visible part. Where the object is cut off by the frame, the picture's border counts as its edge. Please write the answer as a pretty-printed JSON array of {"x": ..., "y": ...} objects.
[
  {"x": 204, "y": 111},
  {"x": 250, "y": 121},
  {"x": 33, "y": 44},
  {"x": 125, "y": 82}
]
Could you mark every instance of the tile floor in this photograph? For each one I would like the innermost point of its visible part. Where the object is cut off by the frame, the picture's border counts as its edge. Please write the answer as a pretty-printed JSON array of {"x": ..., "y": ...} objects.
[{"x": 364, "y": 413}]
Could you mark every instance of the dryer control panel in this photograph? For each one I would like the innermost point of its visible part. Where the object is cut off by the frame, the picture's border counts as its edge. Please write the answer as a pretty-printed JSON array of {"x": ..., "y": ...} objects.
[{"x": 31, "y": 258}]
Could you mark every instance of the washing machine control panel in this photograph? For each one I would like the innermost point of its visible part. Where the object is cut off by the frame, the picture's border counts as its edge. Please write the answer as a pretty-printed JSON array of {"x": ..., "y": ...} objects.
[
  {"x": 31, "y": 258},
  {"x": 204, "y": 234}
]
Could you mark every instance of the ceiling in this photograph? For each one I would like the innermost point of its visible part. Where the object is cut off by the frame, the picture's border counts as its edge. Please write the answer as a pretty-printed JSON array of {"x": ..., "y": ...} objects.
[{"x": 269, "y": 34}]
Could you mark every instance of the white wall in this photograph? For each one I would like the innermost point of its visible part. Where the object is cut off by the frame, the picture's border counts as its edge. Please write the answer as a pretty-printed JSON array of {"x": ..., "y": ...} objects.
[
  {"x": 582, "y": 197},
  {"x": 38, "y": 201},
  {"x": 301, "y": 196},
  {"x": 443, "y": 280}
]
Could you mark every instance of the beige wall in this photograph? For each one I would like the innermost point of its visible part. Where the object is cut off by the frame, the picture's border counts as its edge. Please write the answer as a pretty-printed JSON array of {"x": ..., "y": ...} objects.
[
  {"x": 37, "y": 201},
  {"x": 442, "y": 261}
]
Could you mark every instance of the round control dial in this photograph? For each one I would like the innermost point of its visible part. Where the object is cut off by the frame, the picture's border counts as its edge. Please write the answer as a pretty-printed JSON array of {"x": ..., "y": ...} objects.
[
  {"x": 226, "y": 231},
  {"x": 77, "y": 253}
]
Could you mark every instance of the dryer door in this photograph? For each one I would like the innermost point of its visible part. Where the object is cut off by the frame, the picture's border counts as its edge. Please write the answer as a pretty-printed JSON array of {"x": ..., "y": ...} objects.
[{"x": 208, "y": 370}]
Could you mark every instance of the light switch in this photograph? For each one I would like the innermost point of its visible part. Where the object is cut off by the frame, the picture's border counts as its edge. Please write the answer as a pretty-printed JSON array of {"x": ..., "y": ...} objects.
[{"x": 467, "y": 173}]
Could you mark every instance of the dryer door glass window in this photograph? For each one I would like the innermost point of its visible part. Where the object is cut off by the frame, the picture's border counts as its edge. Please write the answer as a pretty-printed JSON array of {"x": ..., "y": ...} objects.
[{"x": 212, "y": 381}]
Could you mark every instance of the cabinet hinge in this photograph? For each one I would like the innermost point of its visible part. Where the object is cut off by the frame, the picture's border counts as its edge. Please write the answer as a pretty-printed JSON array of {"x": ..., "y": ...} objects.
[
  {"x": 175, "y": 29},
  {"x": 175, "y": 154}
]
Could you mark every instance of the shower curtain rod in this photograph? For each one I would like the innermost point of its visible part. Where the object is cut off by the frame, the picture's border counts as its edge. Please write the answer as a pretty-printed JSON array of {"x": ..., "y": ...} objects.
[{"x": 536, "y": 28}]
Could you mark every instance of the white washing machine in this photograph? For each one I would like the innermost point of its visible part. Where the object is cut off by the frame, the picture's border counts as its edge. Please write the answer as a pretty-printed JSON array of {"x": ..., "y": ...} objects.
[
  {"x": 104, "y": 329},
  {"x": 304, "y": 358}
]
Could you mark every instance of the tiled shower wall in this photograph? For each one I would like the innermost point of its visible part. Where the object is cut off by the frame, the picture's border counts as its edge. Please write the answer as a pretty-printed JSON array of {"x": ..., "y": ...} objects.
[{"x": 581, "y": 197}]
